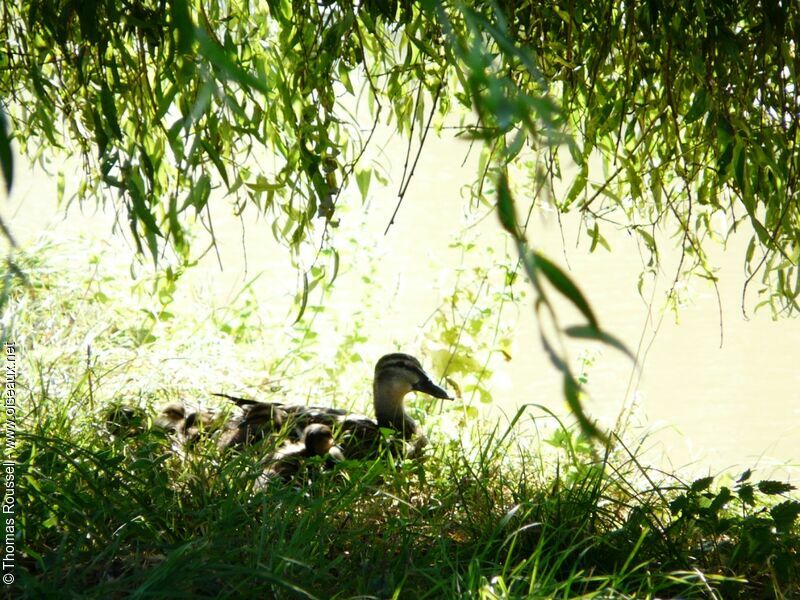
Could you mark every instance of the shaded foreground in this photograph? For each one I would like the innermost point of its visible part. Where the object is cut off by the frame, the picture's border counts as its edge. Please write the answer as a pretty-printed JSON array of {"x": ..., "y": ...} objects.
[{"x": 487, "y": 513}]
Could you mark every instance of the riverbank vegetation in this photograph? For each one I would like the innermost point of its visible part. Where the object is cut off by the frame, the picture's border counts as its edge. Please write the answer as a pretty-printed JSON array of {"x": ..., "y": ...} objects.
[{"x": 489, "y": 512}]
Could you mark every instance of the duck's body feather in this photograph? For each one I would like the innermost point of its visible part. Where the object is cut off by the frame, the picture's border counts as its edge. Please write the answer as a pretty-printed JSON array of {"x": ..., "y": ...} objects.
[
  {"x": 257, "y": 422},
  {"x": 359, "y": 435}
]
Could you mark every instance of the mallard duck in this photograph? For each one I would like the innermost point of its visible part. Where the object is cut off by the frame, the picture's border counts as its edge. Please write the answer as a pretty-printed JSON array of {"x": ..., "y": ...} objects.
[
  {"x": 286, "y": 461},
  {"x": 396, "y": 375}
]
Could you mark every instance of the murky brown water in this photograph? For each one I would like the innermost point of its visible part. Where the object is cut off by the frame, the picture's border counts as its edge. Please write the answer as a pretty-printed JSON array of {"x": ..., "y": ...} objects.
[{"x": 711, "y": 408}]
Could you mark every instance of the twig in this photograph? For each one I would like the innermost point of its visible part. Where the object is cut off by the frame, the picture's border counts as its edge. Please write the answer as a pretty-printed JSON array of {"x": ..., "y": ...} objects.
[{"x": 404, "y": 188}]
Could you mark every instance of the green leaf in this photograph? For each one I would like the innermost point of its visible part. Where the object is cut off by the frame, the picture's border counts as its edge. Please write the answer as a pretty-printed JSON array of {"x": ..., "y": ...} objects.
[
  {"x": 516, "y": 145},
  {"x": 747, "y": 494},
  {"x": 505, "y": 207},
  {"x": 565, "y": 285},
  {"x": 698, "y": 107},
  {"x": 109, "y": 108},
  {"x": 773, "y": 488},
  {"x": 649, "y": 240},
  {"x": 182, "y": 23},
  {"x": 720, "y": 500},
  {"x": 303, "y": 299},
  {"x": 215, "y": 158},
  {"x": 220, "y": 58},
  {"x": 199, "y": 195},
  {"x": 571, "y": 393},
  {"x": 363, "y": 179},
  {"x": 698, "y": 485},
  {"x": 739, "y": 163},
  {"x": 261, "y": 184},
  {"x": 785, "y": 514},
  {"x": 597, "y": 238},
  {"x": 6, "y": 158},
  {"x": 165, "y": 101},
  {"x": 588, "y": 332},
  {"x": 100, "y": 135},
  {"x": 335, "y": 273},
  {"x": 140, "y": 208},
  {"x": 680, "y": 504},
  {"x": 577, "y": 187}
]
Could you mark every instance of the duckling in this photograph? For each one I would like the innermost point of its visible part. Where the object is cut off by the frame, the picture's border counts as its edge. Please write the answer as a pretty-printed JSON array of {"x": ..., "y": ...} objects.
[
  {"x": 191, "y": 426},
  {"x": 200, "y": 424},
  {"x": 285, "y": 462},
  {"x": 396, "y": 375},
  {"x": 171, "y": 418},
  {"x": 256, "y": 422}
]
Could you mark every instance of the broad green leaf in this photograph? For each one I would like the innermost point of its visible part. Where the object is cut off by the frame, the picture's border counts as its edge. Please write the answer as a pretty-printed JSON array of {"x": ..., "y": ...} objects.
[
  {"x": 702, "y": 484},
  {"x": 747, "y": 494},
  {"x": 720, "y": 500},
  {"x": 773, "y": 488},
  {"x": 785, "y": 514}
]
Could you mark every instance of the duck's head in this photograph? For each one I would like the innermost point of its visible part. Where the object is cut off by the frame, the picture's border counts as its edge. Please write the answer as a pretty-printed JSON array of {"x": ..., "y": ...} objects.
[
  {"x": 171, "y": 417},
  {"x": 318, "y": 439},
  {"x": 396, "y": 375}
]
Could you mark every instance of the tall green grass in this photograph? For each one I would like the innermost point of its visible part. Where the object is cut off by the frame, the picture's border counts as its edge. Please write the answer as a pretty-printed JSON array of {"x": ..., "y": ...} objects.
[{"x": 488, "y": 513}]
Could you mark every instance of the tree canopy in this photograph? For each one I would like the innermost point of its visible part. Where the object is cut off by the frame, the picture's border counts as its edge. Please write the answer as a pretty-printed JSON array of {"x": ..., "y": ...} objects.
[{"x": 692, "y": 107}]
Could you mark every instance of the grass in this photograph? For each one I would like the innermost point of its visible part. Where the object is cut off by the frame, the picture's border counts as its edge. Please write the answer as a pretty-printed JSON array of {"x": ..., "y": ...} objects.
[{"x": 489, "y": 513}]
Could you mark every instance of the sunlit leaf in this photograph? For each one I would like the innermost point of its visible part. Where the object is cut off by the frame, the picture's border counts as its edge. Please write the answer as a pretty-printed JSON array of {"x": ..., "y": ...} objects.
[
  {"x": 222, "y": 60},
  {"x": 303, "y": 299}
]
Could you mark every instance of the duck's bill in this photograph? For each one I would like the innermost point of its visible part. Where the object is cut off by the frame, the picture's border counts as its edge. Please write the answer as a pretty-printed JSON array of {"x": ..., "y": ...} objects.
[{"x": 427, "y": 386}]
